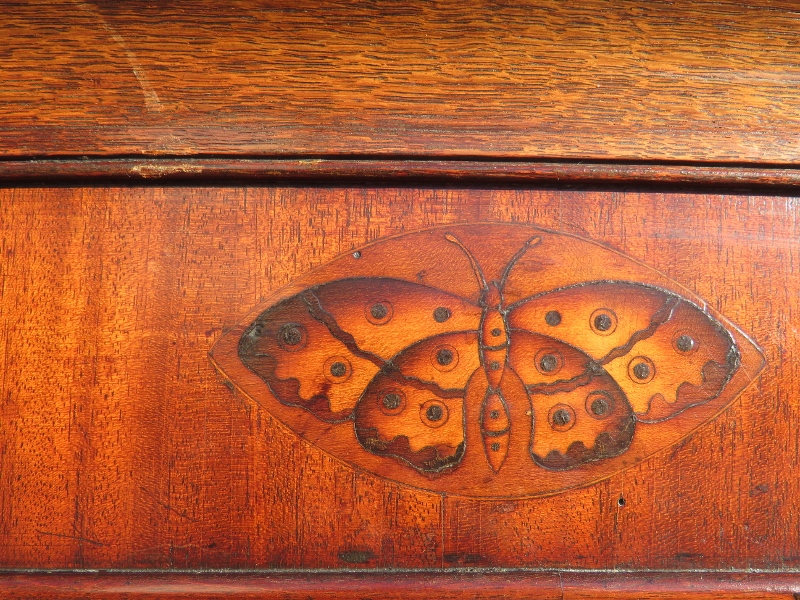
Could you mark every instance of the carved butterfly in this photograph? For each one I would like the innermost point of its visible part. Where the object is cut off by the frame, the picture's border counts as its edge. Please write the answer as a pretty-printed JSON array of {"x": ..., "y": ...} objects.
[{"x": 406, "y": 359}]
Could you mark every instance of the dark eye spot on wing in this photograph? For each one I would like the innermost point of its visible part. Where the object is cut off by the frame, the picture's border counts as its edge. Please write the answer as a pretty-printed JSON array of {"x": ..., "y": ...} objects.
[
  {"x": 338, "y": 369},
  {"x": 444, "y": 357},
  {"x": 553, "y": 318},
  {"x": 292, "y": 337},
  {"x": 685, "y": 343},
  {"x": 599, "y": 404},
  {"x": 641, "y": 369},
  {"x": 603, "y": 321},
  {"x": 434, "y": 413},
  {"x": 561, "y": 417},
  {"x": 548, "y": 363},
  {"x": 379, "y": 312},
  {"x": 441, "y": 314}
]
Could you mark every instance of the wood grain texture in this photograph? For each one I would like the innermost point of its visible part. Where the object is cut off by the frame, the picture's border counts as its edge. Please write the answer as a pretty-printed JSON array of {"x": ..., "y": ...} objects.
[
  {"x": 705, "y": 81},
  {"x": 122, "y": 448},
  {"x": 510, "y": 585},
  {"x": 353, "y": 359},
  {"x": 190, "y": 170}
]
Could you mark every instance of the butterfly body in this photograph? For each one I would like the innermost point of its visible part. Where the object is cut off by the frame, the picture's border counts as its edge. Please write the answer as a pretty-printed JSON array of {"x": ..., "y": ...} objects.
[{"x": 453, "y": 386}]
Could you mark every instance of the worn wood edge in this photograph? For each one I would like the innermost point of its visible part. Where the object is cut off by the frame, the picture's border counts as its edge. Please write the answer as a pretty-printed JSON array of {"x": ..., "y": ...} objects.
[
  {"x": 403, "y": 584},
  {"x": 175, "y": 169}
]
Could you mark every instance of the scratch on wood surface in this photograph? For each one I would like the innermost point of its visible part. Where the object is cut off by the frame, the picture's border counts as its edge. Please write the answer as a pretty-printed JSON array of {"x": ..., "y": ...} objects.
[
  {"x": 151, "y": 101},
  {"x": 70, "y": 537},
  {"x": 167, "y": 506}
]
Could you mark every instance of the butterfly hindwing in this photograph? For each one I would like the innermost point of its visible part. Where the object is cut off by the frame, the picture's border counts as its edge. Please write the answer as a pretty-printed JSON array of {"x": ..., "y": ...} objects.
[
  {"x": 413, "y": 410},
  {"x": 580, "y": 413}
]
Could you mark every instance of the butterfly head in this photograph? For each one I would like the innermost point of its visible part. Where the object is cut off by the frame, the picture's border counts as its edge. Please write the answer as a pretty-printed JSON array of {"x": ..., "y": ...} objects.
[{"x": 492, "y": 293}]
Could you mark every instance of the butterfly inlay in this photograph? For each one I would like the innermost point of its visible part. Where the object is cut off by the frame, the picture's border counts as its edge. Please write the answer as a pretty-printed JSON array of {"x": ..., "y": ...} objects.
[{"x": 489, "y": 360}]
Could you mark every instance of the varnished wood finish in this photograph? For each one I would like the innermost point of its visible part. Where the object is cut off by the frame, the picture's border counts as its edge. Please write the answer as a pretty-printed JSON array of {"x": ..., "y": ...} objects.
[
  {"x": 122, "y": 447},
  {"x": 629, "y": 80},
  {"x": 479, "y": 585},
  {"x": 493, "y": 431},
  {"x": 142, "y": 171}
]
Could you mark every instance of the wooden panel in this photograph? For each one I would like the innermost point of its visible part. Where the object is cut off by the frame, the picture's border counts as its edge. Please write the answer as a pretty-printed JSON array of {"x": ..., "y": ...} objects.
[
  {"x": 479, "y": 585},
  {"x": 122, "y": 448},
  {"x": 703, "y": 81}
]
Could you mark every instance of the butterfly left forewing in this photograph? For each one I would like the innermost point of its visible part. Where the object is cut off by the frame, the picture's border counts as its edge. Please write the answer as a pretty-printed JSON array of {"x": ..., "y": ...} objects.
[
  {"x": 318, "y": 350},
  {"x": 413, "y": 410},
  {"x": 304, "y": 364}
]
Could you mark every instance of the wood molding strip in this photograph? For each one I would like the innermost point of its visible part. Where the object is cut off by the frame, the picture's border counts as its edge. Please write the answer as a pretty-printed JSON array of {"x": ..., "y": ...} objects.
[
  {"x": 509, "y": 585},
  {"x": 140, "y": 170}
]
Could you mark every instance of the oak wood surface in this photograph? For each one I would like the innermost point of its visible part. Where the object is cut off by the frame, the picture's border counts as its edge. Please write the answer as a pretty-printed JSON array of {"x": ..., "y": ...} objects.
[
  {"x": 122, "y": 448},
  {"x": 633, "y": 80}
]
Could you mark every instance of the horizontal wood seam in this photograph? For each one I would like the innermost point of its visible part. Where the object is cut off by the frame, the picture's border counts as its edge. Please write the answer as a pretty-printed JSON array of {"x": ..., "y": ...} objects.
[{"x": 144, "y": 170}]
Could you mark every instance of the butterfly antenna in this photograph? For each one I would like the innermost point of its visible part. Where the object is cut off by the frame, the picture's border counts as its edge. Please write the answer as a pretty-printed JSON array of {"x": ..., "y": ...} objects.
[
  {"x": 520, "y": 253},
  {"x": 475, "y": 266}
]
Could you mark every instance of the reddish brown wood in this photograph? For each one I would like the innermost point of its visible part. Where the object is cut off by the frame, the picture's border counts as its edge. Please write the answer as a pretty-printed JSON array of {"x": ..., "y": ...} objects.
[
  {"x": 502, "y": 280},
  {"x": 122, "y": 448},
  {"x": 189, "y": 169},
  {"x": 509, "y": 585},
  {"x": 633, "y": 80}
]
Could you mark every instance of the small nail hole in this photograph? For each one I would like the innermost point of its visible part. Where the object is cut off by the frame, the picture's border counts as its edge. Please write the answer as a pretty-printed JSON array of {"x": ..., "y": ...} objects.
[{"x": 621, "y": 501}]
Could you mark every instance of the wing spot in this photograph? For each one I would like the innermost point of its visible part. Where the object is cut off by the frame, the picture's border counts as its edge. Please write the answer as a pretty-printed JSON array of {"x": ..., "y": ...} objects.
[
  {"x": 641, "y": 369},
  {"x": 599, "y": 404},
  {"x": 292, "y": 337},
  {"x": 685, "y": 343},
  {"x": 392, "y": 402},
  {"x": 548, "y": 361},
  {"x": 561, "y": 417},
  {"x": 553, "y": 318},
  {"x": 441, "y": 314},
  {"x": 434, "y": 413},
  {"x": 379, "y": 312},
  {"x": 337, "y": 369},
  {"x": 603, "y": 321},
  {"x": 444, "y": 358}
]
